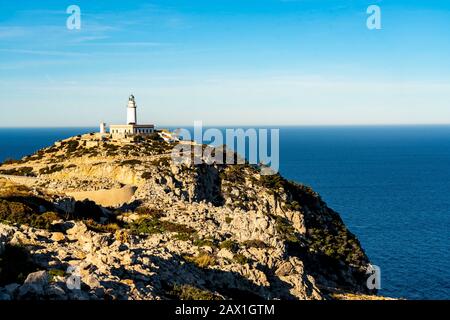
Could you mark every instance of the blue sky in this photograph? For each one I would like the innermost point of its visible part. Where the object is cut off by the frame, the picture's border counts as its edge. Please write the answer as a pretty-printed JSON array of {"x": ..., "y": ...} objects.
[{"x": 226, "y": 62}]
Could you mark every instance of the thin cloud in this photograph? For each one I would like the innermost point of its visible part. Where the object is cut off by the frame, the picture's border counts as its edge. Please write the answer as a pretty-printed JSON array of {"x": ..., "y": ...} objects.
[
  {"x": 12, "y": 32},
  {"x": 45, "y": 52},
  {"x": 131, "y": 43}
]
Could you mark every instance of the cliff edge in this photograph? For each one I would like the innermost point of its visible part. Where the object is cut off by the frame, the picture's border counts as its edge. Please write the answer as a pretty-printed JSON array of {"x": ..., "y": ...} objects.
[{"x": 95, "y": 218}]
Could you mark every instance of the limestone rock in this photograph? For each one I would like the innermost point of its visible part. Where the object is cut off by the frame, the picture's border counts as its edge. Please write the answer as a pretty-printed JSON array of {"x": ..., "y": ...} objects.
[
  {"x": 58, "y": 236},
  {"x": 192, "y": 210}
]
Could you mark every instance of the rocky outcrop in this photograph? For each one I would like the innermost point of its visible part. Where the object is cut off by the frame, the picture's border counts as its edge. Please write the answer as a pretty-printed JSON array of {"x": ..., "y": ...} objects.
[{"x": 227, "y": 231}]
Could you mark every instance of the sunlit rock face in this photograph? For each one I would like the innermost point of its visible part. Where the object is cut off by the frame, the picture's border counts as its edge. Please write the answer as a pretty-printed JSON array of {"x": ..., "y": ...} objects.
[{"x": 170, "y": 232}]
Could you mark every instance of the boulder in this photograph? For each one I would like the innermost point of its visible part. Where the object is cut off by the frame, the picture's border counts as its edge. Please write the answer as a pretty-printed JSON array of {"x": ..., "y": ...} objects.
[{"x": 34, "y": 285}]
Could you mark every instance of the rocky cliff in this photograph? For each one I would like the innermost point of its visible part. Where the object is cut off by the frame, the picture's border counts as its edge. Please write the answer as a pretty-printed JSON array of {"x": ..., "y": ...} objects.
[{"x": 175, "y": 232}]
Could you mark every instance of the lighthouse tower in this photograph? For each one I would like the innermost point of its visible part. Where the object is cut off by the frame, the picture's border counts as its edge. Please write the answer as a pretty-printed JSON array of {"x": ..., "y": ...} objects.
[
  {"x": 131, "y": 128},
  {"x": 131, "y": 111}
]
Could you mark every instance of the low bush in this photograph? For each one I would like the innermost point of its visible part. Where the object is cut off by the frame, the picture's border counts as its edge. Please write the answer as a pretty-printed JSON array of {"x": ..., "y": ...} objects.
[
  {"x": 44, "y": 220},
  {"x": 51, "y": 169},
  {"x": 182, "y": 236},
  {"x": 98, "y": 227},
  {"x": 231, "y": 245},
  {"x": 22, "y": 171},
  {"x": 20, "y": 213},
  {"x": 273, "y": 182},
  {"x": 153, "y": 212},
  {"x": 202, "y": 260},
  {"x": 233, "y": 174},
  {"x": 241, "y": 259},
  {"x": 154, "y": 137},
  {"x": 154, "y": 225},
  {"x": 255, "y": 244},
  {"x": 54, "y": 273},
  {"x": 189, "y": 292},
  {"x": 131, "y": 162},
  {"x": 72, "y": 146},
  {"x": 286, "y": 230},
  {"x": 204, "y": 243}
]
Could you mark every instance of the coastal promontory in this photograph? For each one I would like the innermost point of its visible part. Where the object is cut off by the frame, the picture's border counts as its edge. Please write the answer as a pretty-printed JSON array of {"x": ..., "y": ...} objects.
[{"x": 91, "y": 217}]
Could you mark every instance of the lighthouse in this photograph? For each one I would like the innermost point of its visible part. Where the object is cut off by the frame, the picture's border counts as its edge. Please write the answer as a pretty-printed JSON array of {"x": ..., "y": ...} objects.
[
  {"x": 131, "y": 128},
  {"x": 131, "y": 111}
]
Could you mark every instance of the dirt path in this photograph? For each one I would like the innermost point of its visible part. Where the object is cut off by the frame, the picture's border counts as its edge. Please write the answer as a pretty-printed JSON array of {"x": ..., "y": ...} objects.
[{"x": 106, "y": 198}]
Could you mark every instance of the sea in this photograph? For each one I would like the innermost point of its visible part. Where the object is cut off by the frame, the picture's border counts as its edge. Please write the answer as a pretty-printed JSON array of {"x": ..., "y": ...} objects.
[{"x": 390, "y": 184}]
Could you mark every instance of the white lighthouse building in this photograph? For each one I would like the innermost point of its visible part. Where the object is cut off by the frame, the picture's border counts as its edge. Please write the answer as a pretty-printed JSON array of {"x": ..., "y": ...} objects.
[
  {"x": 131, "y": 111},
  {"x": 131, "y": 127}
]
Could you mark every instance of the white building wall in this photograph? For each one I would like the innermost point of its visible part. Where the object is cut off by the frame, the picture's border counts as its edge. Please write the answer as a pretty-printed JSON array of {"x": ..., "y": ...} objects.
[
  {"x": 102, "y": 128},
  {"x": 131, "y": 115}
]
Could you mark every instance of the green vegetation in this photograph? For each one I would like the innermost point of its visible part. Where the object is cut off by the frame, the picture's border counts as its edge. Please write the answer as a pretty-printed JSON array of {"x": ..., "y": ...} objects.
[
  {"x": 202, "y": 260},
  {"x": 293, "y": 206},
  {"x": 231, "y": 245},
  {"x": 255, "y": 244},
  {"x": 189, "y": 292},
  {"x": 51, "y": 150},
  {"x": 20, "y": 213},
  {"x": 337, "y": 243},
  {"x": 131, "y": 162},
  {"x": 44, "y": 220},
  {"x": 153, "y": 212},
  {"x": 153, "y": 225},
  {"x": 204, "y": 243},
  {"x": 155, "y": 137},
  {"x": 273, "y": 182},
  {"x": 53, "y": 273},
  {"x": 72, "y": 146},
  {"x": 183, "y": 236},
  {"x": 15, "y": 265},
  {"x": 21, "y": 171},
  {"x": 286, "y": 230},
  {"x": 241, "y": 259},
  {"x": 297, "y": 193},
  {"x": 111, "y": 227},
  {"x": 234, "y": 174},
  {"x": 51, "y": 169},
  {"x": 154, "y": 145},
  {"x": 111, "y": 149}
]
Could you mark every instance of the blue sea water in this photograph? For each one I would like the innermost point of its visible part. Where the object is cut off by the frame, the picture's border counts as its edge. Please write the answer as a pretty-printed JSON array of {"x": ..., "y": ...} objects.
[{"x": 390, "y": 184}]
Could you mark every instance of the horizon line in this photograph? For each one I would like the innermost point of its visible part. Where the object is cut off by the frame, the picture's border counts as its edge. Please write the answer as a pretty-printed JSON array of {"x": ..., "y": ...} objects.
[{"x": 247, "y": 125}]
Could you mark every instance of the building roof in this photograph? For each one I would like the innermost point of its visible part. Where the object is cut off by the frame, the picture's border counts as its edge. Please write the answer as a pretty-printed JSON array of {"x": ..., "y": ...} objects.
[{"x": 132, "y": 125}]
